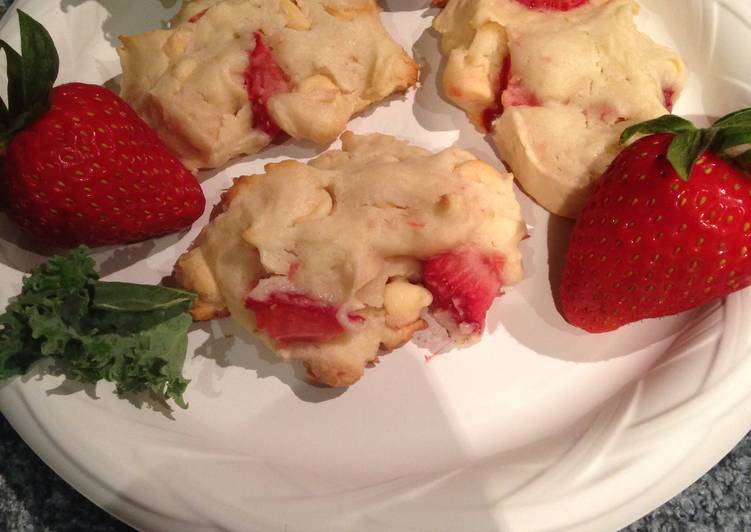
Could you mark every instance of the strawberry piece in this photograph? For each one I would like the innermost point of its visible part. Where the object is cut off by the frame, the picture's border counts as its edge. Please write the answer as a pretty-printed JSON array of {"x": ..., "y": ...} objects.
[
  {"x": 293, "y": 318},
  {"x": 668, "y": 97},
  {"x": 293, "y": 267},
  {"x": 198, "y": 16},
  {"x": 464, "y": 281},
  {"x": 509, "y": 93},
  {"x": 517, "y": 94},
  {"x": 355, "y": 318},
  {"x": 91, "y": 171},
  {"x": 496, "y": 110},
  {"x": 604, "y": 112},
  {"x": 650, "y": 243},
  {"x": 263, "y": 79},
  {"x": 553, "y": 5}
]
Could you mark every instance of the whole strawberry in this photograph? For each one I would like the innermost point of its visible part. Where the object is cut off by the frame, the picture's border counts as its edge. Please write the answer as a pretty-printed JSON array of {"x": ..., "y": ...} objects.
[
  {"x": 80, "y": 166},
  {"x": 667, "y": 227}
]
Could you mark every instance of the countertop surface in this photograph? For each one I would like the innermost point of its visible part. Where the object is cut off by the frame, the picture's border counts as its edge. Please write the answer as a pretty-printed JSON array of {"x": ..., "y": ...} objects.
[{"x": 34, "y": 498}]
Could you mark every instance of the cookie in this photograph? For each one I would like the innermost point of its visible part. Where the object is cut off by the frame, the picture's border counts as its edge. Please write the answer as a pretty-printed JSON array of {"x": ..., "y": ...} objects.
[
  {"x": 556, "y": 88},
  {"x": 230, "y": 74},
  {"x": 331, "y": 261}
]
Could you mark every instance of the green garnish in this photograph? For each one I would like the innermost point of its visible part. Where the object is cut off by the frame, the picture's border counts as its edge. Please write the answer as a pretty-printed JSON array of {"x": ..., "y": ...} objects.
[{"x": 132, "y": 335}]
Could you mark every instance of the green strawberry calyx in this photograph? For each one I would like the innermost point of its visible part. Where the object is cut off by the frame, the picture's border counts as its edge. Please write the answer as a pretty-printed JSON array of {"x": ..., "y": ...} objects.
[
  {"x": 31, "y": 75},
  {"x": 729, "y": 137}
]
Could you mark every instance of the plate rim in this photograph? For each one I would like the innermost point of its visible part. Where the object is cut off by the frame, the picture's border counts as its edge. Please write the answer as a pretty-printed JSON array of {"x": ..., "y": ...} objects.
[{"x": 737, "y": 423}]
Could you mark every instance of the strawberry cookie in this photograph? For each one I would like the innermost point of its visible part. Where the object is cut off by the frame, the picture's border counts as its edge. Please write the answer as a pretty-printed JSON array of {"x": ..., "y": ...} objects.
[
  {"x": 330, "y": 261},
  {"x": 230, "y": 74},
  {"x": 556, "y": 81}
]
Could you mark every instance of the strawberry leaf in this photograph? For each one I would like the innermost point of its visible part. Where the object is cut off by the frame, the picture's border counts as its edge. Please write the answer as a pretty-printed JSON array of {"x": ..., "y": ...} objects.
[
  {"x": 743, "y": 160},
  {"x": 730, "y": 137},
  {"x": 686, "y": 148},
  {"x": 740, "y": 118},
  {"x": 3, "y": 112},
  {"x": 31, "y": 76},
  {"x": 40, "y": 63},
  {"x": 689, "y": 143},
  {"x": 15, "y": 79},
  {"x": 732, "y": 133},
  {"x": 663, "y": 124}
]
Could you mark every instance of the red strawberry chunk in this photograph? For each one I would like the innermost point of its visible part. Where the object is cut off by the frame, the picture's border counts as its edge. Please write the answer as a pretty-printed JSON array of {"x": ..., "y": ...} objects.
[
  {"x": 263, "y": 79},
  {"x": 509, "y": 93},
  {"x": 517, "y": 94},
  {"x": 292, "y": 318},
  {"x": 553, "y": 5},
  {"x": 293, "y": 267},
  {"x": 649, "y": 244},
  {"x": 496, "y": 110},
  {"x": 668, "y": 97},
  {"x": 198, "y": 16},
  {"x": 604, "y": 112},
  {"x": 464, "y": 282}
]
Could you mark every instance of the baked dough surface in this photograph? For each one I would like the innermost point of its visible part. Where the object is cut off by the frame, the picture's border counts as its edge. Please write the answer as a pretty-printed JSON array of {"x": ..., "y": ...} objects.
[
  {"x": 350, "y": 229},
  {"x": 188, "y": 82},
  {"x": 575, "y": 80}
]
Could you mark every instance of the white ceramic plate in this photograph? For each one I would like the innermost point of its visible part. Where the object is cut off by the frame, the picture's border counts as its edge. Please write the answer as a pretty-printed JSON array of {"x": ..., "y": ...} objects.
[{"x": 540, "y": 427}]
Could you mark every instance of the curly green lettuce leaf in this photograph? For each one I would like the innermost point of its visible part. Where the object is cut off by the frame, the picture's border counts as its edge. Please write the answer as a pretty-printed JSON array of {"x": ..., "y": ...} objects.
[{"x": 132, "y": 335}]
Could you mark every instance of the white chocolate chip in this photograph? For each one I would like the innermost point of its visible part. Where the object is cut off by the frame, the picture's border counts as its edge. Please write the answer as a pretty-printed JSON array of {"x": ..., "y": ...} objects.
[
  {"x": 478, "y": 171},
  {"x": 183, "y": 69},
  {"x": 296, "y": 20},
  {"x": 404, "y": 301},
  {"x": 321, "y": 205}
]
